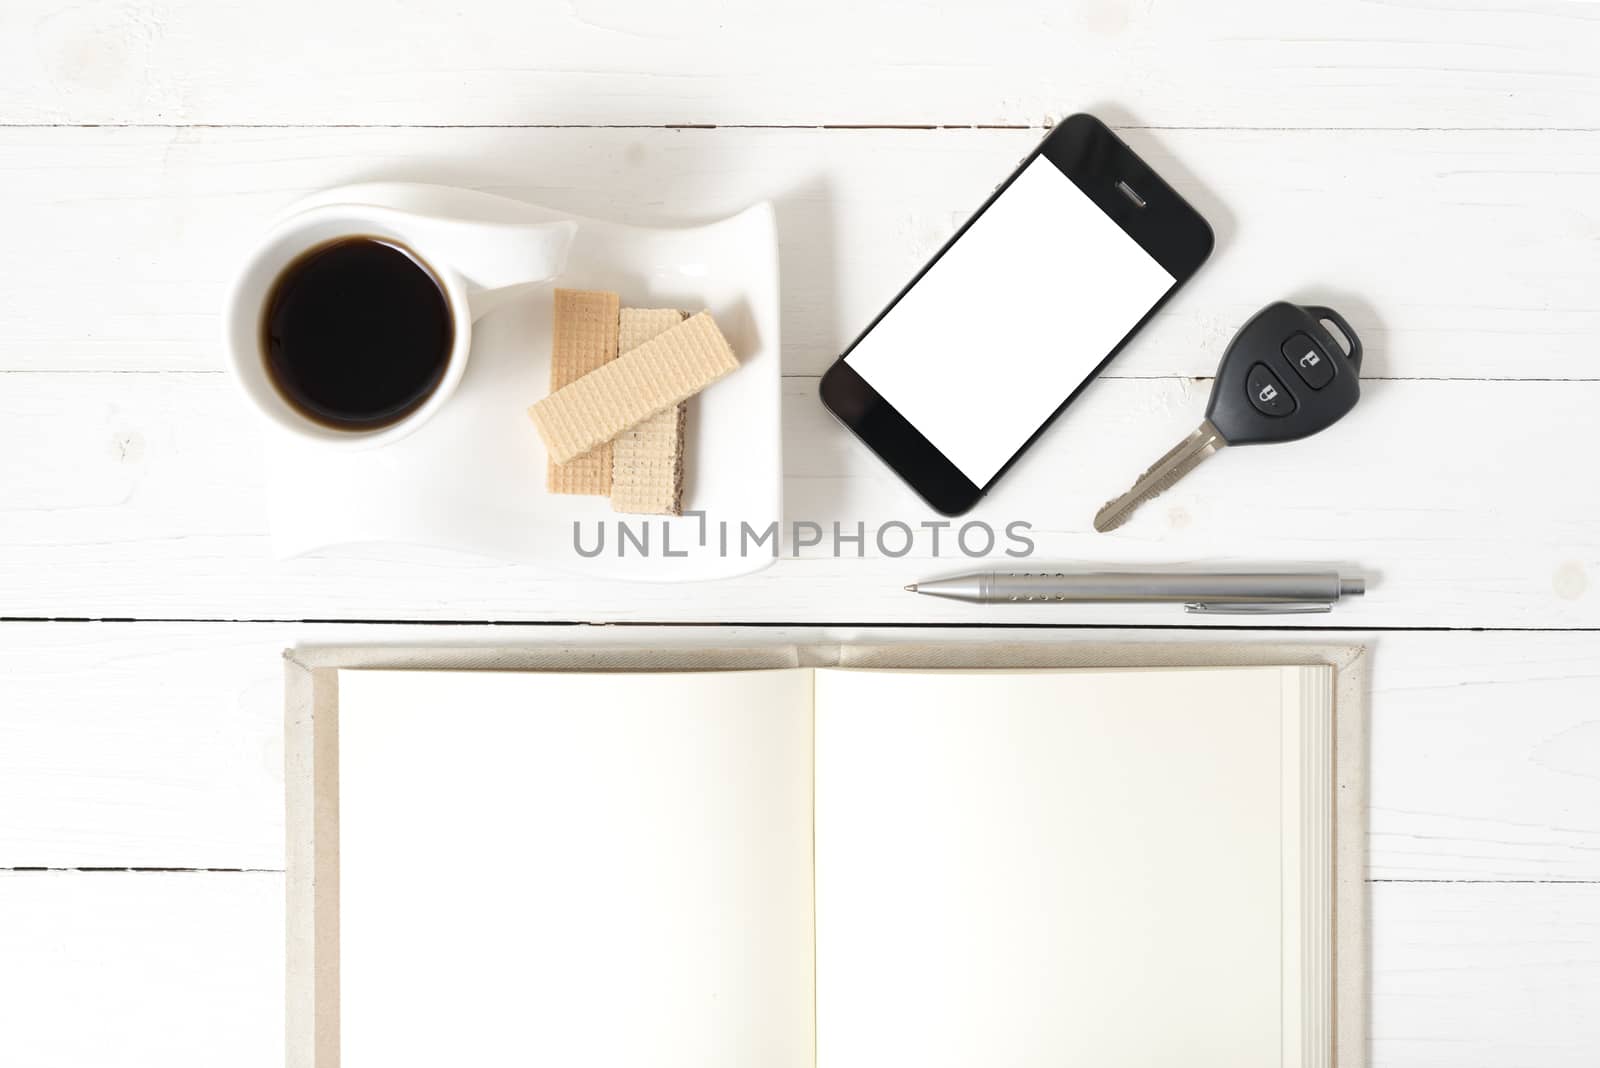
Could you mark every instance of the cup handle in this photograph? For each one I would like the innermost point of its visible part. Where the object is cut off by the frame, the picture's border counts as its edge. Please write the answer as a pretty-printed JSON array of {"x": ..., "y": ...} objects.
[
  {"x": 481, "y": 302},
  {"x": 509, "y": 261},
  {"x": 498, "y": 261},
  {"x": 514, "y": 260}
]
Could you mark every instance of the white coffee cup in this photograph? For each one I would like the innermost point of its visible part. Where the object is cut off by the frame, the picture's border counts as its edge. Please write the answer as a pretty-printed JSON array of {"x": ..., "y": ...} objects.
[{"x": 478, "y": 265}]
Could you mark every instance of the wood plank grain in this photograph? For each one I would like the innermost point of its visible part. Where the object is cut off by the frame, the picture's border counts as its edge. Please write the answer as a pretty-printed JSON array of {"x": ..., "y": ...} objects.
[
  {"x": 1335, "y": 64},
  {"x": 184, "y": 969},
  {"x": 174, "y": 969},
  {"x": 159, "y": 745},
  {"x": 1455, "y": 254},
  {"x": 1481, "y": 976},
  {"x": 135, "y": 495}
]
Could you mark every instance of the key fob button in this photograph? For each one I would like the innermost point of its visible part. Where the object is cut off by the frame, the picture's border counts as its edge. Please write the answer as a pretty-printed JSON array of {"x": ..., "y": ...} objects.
[
  {"x": 1308, "y": 360},
  {"x": 1267, "y": 392}
]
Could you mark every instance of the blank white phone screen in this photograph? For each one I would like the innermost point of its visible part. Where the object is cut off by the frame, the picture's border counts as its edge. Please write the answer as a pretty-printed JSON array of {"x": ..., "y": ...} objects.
[{"x": 1010, "y": 321}]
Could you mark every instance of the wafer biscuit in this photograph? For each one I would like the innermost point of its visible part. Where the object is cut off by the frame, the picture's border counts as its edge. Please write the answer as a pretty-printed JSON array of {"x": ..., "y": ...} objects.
[
  {"x": 585, "y": 337},
  {"x": 647, "y": 459},
  {"x": 669, "y": 368}
]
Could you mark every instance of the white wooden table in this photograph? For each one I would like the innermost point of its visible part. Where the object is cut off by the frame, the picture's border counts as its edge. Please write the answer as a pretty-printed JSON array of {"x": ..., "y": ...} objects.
[{"x": 1431, "y": 169}]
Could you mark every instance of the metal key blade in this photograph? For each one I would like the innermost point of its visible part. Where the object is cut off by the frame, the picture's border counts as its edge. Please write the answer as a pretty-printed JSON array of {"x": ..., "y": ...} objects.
[{"x": 1183, "y": 458}]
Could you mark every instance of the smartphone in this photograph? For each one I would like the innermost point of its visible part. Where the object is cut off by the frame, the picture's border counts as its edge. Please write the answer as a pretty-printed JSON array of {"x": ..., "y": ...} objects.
[{"x": 1008, "y": 322}]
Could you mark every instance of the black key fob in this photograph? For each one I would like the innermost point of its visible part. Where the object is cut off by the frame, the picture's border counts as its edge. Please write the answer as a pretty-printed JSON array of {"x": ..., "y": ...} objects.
[{"x": 1285, "y": 376}]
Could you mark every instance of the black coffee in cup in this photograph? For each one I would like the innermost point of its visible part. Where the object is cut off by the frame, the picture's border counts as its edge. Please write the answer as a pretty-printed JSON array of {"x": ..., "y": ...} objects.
[{"x": 357, "y": 333}]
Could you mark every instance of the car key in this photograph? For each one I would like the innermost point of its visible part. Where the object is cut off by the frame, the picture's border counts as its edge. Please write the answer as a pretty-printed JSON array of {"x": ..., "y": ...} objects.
[{"x": 1283, "y": 377}]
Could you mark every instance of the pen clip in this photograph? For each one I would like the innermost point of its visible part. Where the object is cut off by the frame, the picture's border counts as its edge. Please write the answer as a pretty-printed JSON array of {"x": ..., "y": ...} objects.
[{"x": 1244, "y": 608}]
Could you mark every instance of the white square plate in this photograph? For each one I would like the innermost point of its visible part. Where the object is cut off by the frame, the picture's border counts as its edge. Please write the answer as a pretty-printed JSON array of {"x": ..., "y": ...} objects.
[{"x": 472, "y": 479}]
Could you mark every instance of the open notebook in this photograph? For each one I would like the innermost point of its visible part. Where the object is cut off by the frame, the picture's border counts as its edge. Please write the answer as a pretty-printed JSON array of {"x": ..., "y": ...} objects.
[{"x": 836, "y": 868}]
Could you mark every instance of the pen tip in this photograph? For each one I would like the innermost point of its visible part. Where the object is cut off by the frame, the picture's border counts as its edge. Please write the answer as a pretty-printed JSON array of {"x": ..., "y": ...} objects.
[{"x": 911, "y": 588}]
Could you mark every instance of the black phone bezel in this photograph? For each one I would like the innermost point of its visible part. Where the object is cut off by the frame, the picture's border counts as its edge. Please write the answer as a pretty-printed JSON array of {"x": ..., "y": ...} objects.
[{"x": 1166, "y": 226}]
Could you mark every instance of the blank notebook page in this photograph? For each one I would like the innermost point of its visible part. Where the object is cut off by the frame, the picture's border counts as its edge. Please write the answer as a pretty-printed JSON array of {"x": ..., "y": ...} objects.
[
  {"x": 575, "y": 870},
  {"x": 1074, "y": 868}
]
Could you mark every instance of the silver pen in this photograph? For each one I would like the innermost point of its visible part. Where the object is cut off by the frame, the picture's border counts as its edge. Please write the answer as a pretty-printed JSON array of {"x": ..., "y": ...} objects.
[{"x": 1312, "y": 591}]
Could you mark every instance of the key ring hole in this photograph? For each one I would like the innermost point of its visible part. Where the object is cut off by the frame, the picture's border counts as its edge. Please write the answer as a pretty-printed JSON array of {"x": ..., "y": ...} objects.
[{"x": 1337, "y": 334}]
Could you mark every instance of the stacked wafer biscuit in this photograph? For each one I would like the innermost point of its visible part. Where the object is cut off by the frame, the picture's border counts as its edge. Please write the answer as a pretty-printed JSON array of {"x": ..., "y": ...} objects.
[
  {"x": 613, "y": 424},
  {"x": 647, "y": 459},
  {"x": 586, "y": 336}
]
